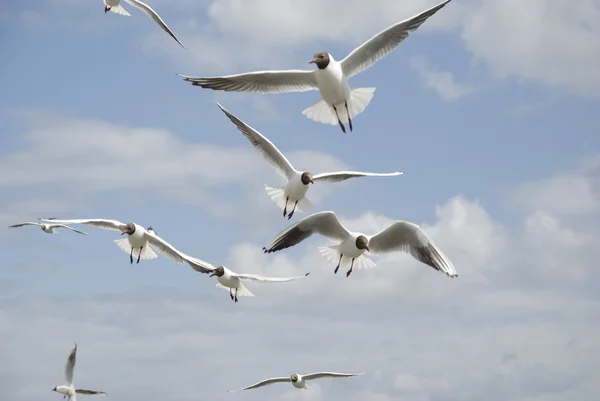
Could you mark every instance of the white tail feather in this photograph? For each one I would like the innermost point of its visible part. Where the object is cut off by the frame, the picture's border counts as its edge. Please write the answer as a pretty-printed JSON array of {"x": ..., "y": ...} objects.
[
  {"x": 276, "y": 194},
  {"x": 305, "y": 205},
  {"x": 118, "y": 9},
  {"x": 242, "y": 291},
  {"x": 307, "y": 387},
  {"x": 331, "y": 253},
  {"x": 323, "y": 113},
  {"x": 147, "y": 252}
]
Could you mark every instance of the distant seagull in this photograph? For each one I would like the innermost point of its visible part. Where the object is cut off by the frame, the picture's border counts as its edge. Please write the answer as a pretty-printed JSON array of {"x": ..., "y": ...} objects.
[
  {"x": 138, "y": 242},
  {"x": 400, "y": 236},
  {"x": 338, "y": 103},
  {"x": 298, "y": 381},
  {"x": 116, "y": 7},
  {"x": 69, "y": 390},
  {"x": 48, "y": 228},
  {"x": 297, "y": 187}
]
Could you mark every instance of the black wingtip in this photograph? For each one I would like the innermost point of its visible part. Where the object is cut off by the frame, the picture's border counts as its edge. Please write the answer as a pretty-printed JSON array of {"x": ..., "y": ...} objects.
[{"x": 306, "y": 274}]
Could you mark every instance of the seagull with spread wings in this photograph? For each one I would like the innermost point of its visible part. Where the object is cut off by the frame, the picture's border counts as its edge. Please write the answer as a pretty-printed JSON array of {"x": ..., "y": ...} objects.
[
  {"x": 47, "y": 227},
  {"x": 294, "y": 193},
  {"x": 69, "y": 389},
  {"x": 338, "y": 103},
  {"x": 298, "y": 381},
  {"x": 400, "y": 236}
]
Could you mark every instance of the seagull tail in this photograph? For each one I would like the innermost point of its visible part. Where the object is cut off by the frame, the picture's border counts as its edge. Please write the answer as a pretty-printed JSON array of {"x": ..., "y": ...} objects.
[
  {"x": 118, "y": 9},
  {"x": 359, "y": 100},
  {"x": 305, "y": 205},
  {"x": 242, "y": 291},
  {"x": 147, "y": 252},
  {"x": 276, "y": 194},
  {"x": 307, "y": 387},
  {"x": 323, "y": 113}
]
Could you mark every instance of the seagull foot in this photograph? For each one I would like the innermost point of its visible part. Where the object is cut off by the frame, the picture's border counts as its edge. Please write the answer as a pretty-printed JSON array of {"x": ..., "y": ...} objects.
[
  {"x": 349, "y": 272},
  {"x": 336, "y": 269}
]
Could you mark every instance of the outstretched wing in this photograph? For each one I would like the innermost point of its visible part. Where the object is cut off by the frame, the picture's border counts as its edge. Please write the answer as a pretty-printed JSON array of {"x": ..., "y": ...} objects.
[
  {"x": 70, "y": 366},
  {"x": 261, "y": 279},
  {"x": 155, "y": 17},
  {"x": 104, "y": 224},
  {"x": 164, "y": 248},
  {"x": 70, "y": 228},
  {"x": 89, "y": 392},
  {"x": 324, "y": 223},
  {"x": 384, "y": 42},
  {"x": 264, "y": 383},
  {"x": 28, "y": 223},
  {"x": 199, "y": 265},
  {"x": 261, "y": 81},
  {"x": 263, "y": 146},
  {"x": 408, "y": 237},
  {"x": 319, "y": 375},
  {"x": 345, "y": 175}
]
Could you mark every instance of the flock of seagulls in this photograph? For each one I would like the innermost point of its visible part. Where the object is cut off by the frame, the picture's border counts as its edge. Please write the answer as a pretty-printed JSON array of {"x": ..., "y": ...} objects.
[{"x": 339, "y": 104}]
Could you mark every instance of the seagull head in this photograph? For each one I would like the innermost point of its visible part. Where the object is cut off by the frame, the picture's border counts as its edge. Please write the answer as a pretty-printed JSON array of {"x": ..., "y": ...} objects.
[
  {"x": 129, "y": 229},
  {"x": 321, "y": 59},
  {"x": 362, "y": 242},
  {"x": 219, "y": 271},
  {"x": 294, "y": 378},
  {"x": 106, "y": 9},
  {"x": 307, "y": 178}
]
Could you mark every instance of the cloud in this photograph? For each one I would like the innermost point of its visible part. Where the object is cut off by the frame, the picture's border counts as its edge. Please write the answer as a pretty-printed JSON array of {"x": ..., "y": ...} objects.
[{"x": 442, "y": 82}]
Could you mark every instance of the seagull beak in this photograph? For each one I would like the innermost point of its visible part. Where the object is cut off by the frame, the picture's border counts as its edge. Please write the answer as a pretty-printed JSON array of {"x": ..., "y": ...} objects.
[
  {"x": 212, "y": 274},
  {"x": 367, "y": 248},
  {"x": 314, "y": 60},
  {"x": 123, "y": 233},
  {"x": 311, "y": 181}
]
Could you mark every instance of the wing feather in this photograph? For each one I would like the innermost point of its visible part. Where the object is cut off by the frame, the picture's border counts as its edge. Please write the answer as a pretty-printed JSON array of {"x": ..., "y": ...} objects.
[
  {"x": 262, "y": 279},
  {"x": 70, "y": 228},
  {"x": 89, "y": 392},
  {"x": 263, "y": 146},
  {"x": 259, "y": 81},
  {"x": 319, "y": 375},
  {"x": 164, "y": 248},
  {"x": 104, "y": 224},
  {"x": 408, "y": 237},
  {"x": 28, "y": 223},
  {"x": 199, "y": 265},
  {"x": 324, "y": 223},
  {"x": 264, "y": 383},
  {"x": 70, "y": 366},
  {"x": 155, "y": 17},
  {"x": 339, "y": 176},
  {"x": 384, "y": 42}
]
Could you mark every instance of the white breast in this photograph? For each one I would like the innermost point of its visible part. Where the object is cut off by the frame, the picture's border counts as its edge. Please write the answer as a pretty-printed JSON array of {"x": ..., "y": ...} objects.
[
  {"x": 348, "y": 246},
  {"x": 137, "y": 239},
  {"x": 295, "y": 189},
  {"x": 333, "y": 86},
  {"x": 229, "y": 281},
  {"x": 300, "y": 383}
]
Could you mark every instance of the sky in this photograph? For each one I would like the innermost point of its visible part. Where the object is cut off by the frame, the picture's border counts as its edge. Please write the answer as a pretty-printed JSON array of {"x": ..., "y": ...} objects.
[{"x": 490, "y": 108}]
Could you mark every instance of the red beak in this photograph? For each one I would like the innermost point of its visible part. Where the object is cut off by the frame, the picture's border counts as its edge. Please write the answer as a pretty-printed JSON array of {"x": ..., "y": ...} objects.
[
  {"x": 123, "y": 233},
  {"x": 212, "y": 274},
  {"x": 367, "y": 248},
  {"x": 314, "y": 60}
]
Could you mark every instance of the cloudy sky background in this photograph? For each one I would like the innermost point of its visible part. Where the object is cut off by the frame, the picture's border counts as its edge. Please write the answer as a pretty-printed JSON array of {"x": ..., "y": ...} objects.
[{"x": 491, "y": 109}]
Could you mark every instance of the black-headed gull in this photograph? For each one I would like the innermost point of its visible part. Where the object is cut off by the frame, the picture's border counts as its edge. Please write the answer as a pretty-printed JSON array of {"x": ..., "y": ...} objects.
[
  {"x": 338, "y": 103},
  {"x": 48, "y": 228},
  {"x": 400, "y": 236},
  {"x": 137, "y": 243},
  {"x": 69, "y": 390},
  {"x": 297, "y": 380},
  {"x": 294, "y": 193},
  {"x": 116, "y": 7}
]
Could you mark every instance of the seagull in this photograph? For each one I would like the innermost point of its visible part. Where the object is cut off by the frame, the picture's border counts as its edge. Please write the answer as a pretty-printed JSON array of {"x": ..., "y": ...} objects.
[
  {"x": 138, "y": 242},
  {"x": 338, "y": 103},
  {"x": 69, "y": 390},
  {"x": 116, "y": 7},
  {"x": 297, "y": 186},
  {"x": 48, "y": 228},
  {"x": 401, "y": 236},
  {"x": 298, "y": 381}
]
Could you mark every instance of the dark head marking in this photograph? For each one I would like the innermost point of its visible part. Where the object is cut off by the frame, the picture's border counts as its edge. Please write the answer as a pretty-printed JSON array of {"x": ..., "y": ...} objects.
[
  {"x": 321, "y": 60},
  {"x": 294, "y": 378},
  {"x": 219, "y": 271},
  {"x": 362, "y": 242},
  {"x": 307, "y": 178},
  {"x": 129, "y": 229}
]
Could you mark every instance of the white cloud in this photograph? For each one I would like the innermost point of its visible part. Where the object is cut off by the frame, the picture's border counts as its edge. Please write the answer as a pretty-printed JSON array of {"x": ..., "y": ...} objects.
[{"x": 442, "y": 82}]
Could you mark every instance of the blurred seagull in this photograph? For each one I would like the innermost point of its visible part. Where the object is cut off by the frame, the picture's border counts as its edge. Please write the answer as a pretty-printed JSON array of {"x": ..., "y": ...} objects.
[
  {"x": 338, "y": 103},
  {"x": 298, "y": 381},
  {"x": 297, "y": 187},
  {"x": 400, "y": 236},
  {"x": 116, "y": 7},
  {"x": 69, "y": 390},
  {"x": 138, "y": 242},
  {"x": 48, "y": 228}
]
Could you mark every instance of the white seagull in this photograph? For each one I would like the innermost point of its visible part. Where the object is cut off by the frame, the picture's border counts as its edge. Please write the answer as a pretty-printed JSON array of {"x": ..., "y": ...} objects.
[
  {"x": 298, "y": 381},
  {"x": 116, "y": 7},
  {"x": 338, "y": 103},
  {"x": 137, "y": 243},
  {"x": 68, "y": 389},
  {"x": 400, "y": 236},
  {"x": 48, "y": 228},
  {"x": 294, "y": 193}
]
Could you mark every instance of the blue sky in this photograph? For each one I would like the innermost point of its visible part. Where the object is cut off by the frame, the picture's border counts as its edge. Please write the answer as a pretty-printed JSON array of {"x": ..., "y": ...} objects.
[{"x": 492, "y": 115}]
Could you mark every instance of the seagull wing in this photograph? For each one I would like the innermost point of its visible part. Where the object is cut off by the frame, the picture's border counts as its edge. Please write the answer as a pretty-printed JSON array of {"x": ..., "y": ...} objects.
[
  {"x": 69, "y": 228},
  {"x": 164, "y": 248},
  {"x": 260, "y": 81},
  {"x": 319, "y": 375},
  {"x": 380, "y": 45},
  {"x": 152, "y": 14},
  {"x": 408, "y": 237},
  {"x": 28, "y": 223},
  {"x": 263, "y": 146},
  {"x": 324, "y": 223},
  {"x": 264, "y": 383},
  {"x": 100, "y": 223},
  {"x": 89, "y": 392},
  {"x": 199, "y": 265},
  {"x": 70, "y": 366},
  {"x": 345, "y": 175},
  {"x": 261, "y": 279}
]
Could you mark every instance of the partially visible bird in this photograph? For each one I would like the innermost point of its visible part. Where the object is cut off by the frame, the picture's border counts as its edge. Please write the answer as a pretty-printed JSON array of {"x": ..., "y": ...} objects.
[
  {"x": 402, "y": 236},
  {"x": 69, "y": 389},
  {"x": 294, "y": 193},
  {"x": 298, "y": 381},
  {"x": 47, "y": 227},
  {"x": 116, "y": 7}
]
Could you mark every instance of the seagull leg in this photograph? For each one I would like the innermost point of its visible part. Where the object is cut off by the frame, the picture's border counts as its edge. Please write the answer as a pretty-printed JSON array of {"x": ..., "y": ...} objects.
[
  {"x": 287, "y": 198},
  {"x": 339, "y": 121},
  {"x": 236, "y": 290},
  {"x": 140, "y": 254},
  {"x": 230, "y": 294},
  {"x": 293, "y": 210},
  {"x": 351, "y": 265},
  {"x": 347, "y": 112},
  {"x": 131, "y": 256},
  {"x": 338, "y": 266}
]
